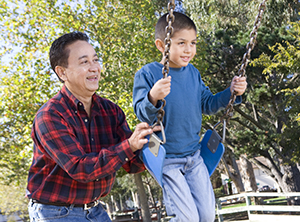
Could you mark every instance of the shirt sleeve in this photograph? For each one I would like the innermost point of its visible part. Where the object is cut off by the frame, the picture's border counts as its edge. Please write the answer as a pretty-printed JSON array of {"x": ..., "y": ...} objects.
[
  {"x": 134, "y": 164},
  {"x": 213, "y": 103},
  {"x": 143, "y": 108},
  {"x": 57, "y": 140}
]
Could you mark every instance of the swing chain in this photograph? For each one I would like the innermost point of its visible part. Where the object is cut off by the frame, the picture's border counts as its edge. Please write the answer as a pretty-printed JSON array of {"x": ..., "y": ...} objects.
[
  {"x": 165, "y": 70},
  {"x": 229, "y": 108},
  {"x": 168, "y": 32},
  {"x": 253, "y": 36}
]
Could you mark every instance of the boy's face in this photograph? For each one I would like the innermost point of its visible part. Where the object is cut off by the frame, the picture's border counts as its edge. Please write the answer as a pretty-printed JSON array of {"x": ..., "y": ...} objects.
[{"x": 183, "y": 48}]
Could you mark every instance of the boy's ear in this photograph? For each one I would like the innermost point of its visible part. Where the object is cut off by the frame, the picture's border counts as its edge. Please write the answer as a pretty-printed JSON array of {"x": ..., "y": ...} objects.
[
  {"x": 60, "y": 71},
  {"x": 160, "y": 45}
]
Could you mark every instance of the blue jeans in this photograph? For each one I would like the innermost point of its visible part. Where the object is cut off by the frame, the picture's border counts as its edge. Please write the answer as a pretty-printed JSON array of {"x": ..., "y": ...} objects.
[
  {"x": 187, "y": 190},
  {"x": 42, "y": 212}
]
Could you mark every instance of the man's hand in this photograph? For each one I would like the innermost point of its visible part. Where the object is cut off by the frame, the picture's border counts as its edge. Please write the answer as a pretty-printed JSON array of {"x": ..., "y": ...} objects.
[
  {"x": 239, "y": 85},
  {"x": 137, "y": 140},
  {"x": 160, "y": 90}
]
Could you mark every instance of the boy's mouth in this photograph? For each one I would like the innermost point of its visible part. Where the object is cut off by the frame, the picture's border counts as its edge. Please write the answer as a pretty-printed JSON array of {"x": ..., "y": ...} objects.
[{"x": 185, "y": 58}]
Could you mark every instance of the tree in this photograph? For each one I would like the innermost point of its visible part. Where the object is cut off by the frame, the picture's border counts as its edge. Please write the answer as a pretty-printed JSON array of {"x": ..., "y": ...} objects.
[
  {"x": 282, "y": 127},
  {"x": 144, "y": 200},
  {"x": 248, "y": 174},
  {"x": 122, "y": 33},
  {"x": 266, "y": 122},
  {"x": 25, "y": 86}
]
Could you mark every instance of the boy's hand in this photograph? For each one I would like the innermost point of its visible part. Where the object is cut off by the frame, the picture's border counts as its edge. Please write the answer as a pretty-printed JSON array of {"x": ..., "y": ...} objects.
[
  {"x": 160, "y": 90},
  {"x": 239, "y": 85}
]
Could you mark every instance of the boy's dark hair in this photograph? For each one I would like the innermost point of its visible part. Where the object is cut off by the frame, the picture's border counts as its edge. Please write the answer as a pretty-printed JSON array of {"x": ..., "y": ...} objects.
[
  {"x": 59, "y": 53},
  {"x": 181, "y": 22}
]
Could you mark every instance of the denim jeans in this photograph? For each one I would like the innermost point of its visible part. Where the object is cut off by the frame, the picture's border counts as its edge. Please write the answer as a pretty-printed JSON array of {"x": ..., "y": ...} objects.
[
  {"x": 187, "y": 190},
  {"x": 42, "y": 212}
]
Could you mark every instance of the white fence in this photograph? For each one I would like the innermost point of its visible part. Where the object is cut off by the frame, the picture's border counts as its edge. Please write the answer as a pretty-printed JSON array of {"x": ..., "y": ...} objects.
[{"x": 261, "y": 213}]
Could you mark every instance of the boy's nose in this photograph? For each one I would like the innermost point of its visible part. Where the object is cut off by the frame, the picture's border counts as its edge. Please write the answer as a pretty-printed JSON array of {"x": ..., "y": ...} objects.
[{"x": 187, "y": 48}]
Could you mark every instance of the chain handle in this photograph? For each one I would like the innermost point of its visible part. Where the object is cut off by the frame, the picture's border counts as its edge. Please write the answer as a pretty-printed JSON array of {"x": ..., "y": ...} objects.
[
  {"x": 165, "y": 70},
  {"x": 229, "y": 108}
]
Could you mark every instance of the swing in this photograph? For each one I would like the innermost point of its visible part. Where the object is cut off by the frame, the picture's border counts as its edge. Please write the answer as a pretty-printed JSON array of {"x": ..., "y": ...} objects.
[{"x": 212, "y": 148}]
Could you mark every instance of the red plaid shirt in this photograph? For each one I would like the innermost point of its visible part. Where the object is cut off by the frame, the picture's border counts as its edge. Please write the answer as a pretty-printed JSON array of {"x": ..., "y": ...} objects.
[{"x": 76, "y": 157}]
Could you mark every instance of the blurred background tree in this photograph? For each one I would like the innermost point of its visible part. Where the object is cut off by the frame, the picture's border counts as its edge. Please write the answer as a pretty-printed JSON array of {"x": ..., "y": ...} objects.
[
  {"x": 122, "y": 32},
  {"x": 267, "y": 122}
]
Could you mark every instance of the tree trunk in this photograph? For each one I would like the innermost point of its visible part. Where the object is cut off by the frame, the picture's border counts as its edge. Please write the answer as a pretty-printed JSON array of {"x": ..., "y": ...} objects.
[
  {"x": 109, "y": 210},
  {"x": 113, "y": 203},
  {"x": 232, "y": 170},
  {"x": 143, "y": 198},
  {"x": 151, "y": 196},
  {"x": 121, "y": 202},
  {"x": 290, "y": 179},
  {"x": 248, "y": 176},
  {"x": 287, "y": 177},
  {"x": 134, "y": 199}
]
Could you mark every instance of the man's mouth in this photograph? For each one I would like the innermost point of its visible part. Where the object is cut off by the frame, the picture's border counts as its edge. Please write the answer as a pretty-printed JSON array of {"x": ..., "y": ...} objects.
[{"x": 95, "y": 77}]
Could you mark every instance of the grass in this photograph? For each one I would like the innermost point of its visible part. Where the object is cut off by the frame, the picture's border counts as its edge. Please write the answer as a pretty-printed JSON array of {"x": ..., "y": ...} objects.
[
  {"x": 276, "y": 201},
  {"x": 271, "y": 201},
  {"x": 234, "y": 205},
  {"x": 244, "y": 215}
]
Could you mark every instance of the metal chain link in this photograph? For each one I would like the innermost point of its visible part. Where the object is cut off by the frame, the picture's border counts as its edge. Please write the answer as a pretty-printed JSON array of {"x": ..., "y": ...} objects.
[
  {"x": 170, "y": 18},
  {"x": 229, "y": 108}
]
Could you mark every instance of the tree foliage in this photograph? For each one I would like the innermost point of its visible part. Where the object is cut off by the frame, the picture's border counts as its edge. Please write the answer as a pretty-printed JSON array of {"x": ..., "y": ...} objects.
[
  {"x": 267, "y": 122},
  {"x": 122, "y": 33}
]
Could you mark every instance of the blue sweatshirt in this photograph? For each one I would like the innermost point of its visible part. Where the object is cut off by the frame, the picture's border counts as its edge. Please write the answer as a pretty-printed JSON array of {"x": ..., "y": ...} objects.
[{"x": 188, "y": 99}]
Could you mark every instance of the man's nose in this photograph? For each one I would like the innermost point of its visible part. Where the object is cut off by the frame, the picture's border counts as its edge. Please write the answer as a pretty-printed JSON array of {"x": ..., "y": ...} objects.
[{"x": 95, "y": 67}]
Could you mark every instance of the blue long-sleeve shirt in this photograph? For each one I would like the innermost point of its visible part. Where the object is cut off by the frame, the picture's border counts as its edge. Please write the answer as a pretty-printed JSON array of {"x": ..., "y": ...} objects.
[{"x": 188, "y": 99}]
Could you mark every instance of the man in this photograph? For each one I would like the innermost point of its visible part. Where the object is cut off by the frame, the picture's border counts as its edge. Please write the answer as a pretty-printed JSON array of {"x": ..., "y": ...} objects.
[{"x": 80, "y": 140}]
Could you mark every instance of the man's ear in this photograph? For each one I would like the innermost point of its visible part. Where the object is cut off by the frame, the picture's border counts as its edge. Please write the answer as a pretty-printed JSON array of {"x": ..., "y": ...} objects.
[
  {"x": 61, "y": 72},
  {"x": 160, "y": 45}
]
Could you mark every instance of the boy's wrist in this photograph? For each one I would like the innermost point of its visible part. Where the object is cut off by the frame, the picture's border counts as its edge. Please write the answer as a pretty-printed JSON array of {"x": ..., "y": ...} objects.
[{"x": 152, "y": 100}]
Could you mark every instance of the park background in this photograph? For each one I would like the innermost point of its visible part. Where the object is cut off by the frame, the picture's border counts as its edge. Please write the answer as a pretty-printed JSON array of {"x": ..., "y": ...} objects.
[{"x": 265, "y": 126}]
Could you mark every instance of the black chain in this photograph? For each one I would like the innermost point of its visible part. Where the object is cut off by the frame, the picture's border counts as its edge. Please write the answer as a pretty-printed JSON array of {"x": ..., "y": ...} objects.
[{"x": 165, "y": 70}]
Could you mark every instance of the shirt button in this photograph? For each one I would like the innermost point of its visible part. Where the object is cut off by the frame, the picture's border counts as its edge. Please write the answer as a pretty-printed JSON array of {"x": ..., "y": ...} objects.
[
  {"x": 92, "y": 139},
  {"x": 85, "y": 120},
  {"x": 75, "y": 111},
  {"x": 126, "y": 159},
  {"x": 97, "y": 179},
  {"x": 80, "y": 104}
]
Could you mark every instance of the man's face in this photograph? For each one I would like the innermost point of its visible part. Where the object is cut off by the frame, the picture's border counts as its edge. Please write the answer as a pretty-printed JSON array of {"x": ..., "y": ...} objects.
[
  {"x": 83, "y": 72},
  {"x": 183, "y": 48}
]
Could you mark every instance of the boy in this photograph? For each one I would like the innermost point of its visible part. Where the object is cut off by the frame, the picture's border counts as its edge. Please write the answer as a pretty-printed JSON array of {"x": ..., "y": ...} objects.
[{"x": 187, "y": 190}]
